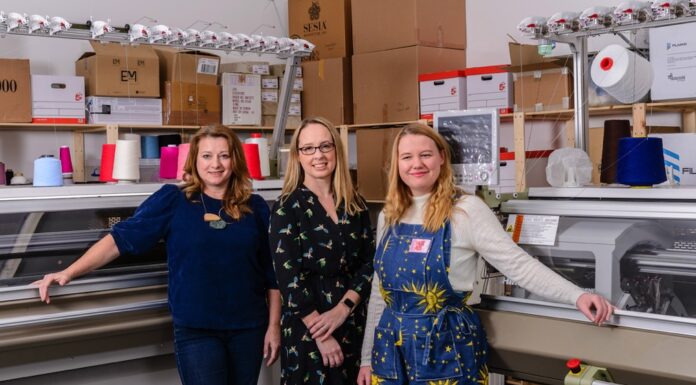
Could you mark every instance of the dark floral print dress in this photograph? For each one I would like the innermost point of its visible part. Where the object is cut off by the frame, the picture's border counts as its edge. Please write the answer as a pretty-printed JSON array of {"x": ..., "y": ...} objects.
[{"x": 316, "y": 262}]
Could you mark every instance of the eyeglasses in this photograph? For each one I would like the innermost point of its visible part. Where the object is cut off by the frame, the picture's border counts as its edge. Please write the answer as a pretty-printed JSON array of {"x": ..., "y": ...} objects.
[{"x": 324, "y": 147}]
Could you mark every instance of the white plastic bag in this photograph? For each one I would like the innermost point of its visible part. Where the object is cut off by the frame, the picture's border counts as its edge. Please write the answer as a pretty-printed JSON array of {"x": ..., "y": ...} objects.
[{"x": 569, "y": 167}]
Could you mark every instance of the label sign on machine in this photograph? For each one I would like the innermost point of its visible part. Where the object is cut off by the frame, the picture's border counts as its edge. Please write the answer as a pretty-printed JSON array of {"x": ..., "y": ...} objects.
[{"x": 533, "y": 229}]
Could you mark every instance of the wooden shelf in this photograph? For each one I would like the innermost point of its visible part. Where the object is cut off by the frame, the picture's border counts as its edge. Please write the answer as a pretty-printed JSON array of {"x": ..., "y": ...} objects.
[{"x": 50, "y": 127}]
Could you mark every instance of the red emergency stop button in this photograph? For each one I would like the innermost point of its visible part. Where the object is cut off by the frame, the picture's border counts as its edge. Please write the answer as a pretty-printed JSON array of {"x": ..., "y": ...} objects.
[{"x": 574, "y": 365}]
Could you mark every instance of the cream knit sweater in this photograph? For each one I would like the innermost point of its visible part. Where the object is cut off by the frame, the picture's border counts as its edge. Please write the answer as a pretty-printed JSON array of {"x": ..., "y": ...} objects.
[{"x": 475, "y": 229}]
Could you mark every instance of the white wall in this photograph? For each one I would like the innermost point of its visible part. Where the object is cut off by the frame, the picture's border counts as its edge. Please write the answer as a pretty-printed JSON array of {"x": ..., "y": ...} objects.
[
  {"x": 57, "y": 56},
  {"x": 50, "y": 56},
  {"x": 490, "y": 22}
]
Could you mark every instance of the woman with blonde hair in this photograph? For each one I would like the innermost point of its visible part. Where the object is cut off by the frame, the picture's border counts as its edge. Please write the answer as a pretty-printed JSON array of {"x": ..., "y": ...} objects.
[
  {"x": 222, "y": 289},
  {"x": 420, "y": 327},
  {"x": 322, "y": 247}
]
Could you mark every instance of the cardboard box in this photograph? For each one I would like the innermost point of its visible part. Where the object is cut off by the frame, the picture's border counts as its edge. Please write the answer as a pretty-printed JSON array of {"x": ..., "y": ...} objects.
[
  {"x": 540, "y": 83},
  {"x": 387, "y": 24},
  {"x": 535, "y": 170},
  {"x": 279, "y": 70},
  {"x": 116, "y": 70},
  {"x": 241, "y": 99},
  {"x": 680, "y": 158},
  {"x": 673, "y": 62},
  {"x": 271, "y": 108},
  {"x": 328, "y": 91},
  {"x": 112, "y": 110},
  {"x": 58, "y": 99},
  {"x": 385, "y": 83},
  {"x": 191, "y": 104},
  {"x": 441, "y": 91},
  {"x": 374, "y": 151},
  {"x": 291, "y": 122},
  {"x": 250, "y": 67},
  {"x": 544, "y": 90},
  {"x": 15, "y": 91},
  {"x": 187, "y": 66},
  {"x": 489, "y": 87},
  {"x": 325, "y": 23}
]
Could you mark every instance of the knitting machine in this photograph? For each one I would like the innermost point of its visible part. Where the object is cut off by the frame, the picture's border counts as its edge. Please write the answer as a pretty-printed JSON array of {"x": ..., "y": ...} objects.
[{"x": 635, "y": 247}]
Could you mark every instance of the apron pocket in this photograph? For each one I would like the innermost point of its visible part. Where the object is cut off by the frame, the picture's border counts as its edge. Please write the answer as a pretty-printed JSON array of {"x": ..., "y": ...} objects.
[
  {"x": 384, "y": 354},
  {"x": 441, "y": 360}
]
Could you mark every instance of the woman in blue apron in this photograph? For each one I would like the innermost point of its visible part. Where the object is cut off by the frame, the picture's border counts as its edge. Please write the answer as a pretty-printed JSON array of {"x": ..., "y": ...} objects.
[{"x": 420, "y": 328}]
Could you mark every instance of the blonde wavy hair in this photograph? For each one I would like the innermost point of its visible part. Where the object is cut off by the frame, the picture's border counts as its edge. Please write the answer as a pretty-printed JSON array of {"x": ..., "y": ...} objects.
[
  {"x": 445, "y": 193},
  {"x": 238, "y": 191},
  {"x": 342, "y": 185}
]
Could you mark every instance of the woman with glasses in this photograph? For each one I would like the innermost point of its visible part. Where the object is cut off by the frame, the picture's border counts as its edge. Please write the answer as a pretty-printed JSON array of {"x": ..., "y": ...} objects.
[
  {"x": 222, "y": 290},
  {"x": 322, "y": 246}
]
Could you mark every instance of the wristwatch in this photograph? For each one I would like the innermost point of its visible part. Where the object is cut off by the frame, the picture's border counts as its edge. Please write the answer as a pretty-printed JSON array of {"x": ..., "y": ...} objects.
[{"x": 348, "y": 302}]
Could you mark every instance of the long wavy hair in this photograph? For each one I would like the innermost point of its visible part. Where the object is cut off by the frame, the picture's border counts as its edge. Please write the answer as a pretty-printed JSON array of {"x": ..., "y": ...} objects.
[
  {"x": 236, "y": 198},
  {"x": 444, "y": 195},
  {"x": 342, "y": 185}
]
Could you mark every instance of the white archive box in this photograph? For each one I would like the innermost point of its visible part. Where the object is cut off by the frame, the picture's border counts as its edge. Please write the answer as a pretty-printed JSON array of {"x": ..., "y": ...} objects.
[
  {"x": 241, "y": 99},
  {"x": 674, "y": 62},
  {"x": 116, "y": 110},
  {"x": 535, "y": 170},
  {"x": 58, "y": 99},
  {"x": 489, "y": 87},
  {"x": 442, "y": 91},
  {"x": 680, "y": 157}
]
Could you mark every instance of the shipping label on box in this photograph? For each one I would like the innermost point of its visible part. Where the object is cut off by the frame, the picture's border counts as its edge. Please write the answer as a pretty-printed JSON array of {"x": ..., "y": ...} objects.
[
  {"x": 58, "y": 99},
  {"x": 15, "y": 91},
  {"x": 673, "y": 61},
  {"x": 442, "y": 91},
  {"x": 188, "y": 66},
  {"x": 269, "y": 82},
  {"x": 489, "y": 87},
  {"x": 269, "y": 96},
  {"x": 241, "y": 99},
  {"x": 105, "y": 110}
]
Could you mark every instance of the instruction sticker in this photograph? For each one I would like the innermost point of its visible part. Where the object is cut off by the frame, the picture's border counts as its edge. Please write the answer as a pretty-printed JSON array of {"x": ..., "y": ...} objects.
[{"x": 533, "y": 229}]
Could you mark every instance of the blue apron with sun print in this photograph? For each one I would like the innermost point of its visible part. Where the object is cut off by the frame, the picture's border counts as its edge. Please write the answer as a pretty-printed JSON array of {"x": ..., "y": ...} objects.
[{"x": 427, "y": 333}]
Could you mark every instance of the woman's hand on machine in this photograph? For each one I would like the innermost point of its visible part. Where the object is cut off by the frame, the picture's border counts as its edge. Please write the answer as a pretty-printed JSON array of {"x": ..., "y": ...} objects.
[
  {"x": 61, "y": 278},
  {"x": 595, "y": 307}
]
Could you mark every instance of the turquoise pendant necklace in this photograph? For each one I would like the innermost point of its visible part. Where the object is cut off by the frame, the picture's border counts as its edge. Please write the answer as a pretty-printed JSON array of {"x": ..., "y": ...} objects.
[{"x": 214, "y": 221}]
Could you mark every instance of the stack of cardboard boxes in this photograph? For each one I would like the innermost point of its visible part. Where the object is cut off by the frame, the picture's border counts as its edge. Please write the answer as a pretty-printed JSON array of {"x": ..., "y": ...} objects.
[
  {"x": 327, "y": 76},
  {"x": 394, "y": 41},
  {"x": 251, "y": 93},
  {"x": 122, "y": 84}
]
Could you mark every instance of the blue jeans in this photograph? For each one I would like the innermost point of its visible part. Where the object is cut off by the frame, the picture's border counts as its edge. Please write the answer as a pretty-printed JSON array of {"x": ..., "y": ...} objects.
[{"x": 219, "y": 357}]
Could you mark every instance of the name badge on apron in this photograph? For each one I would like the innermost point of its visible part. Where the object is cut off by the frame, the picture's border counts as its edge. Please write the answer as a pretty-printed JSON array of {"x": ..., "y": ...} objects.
[{"x": 419, "y": 246}]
